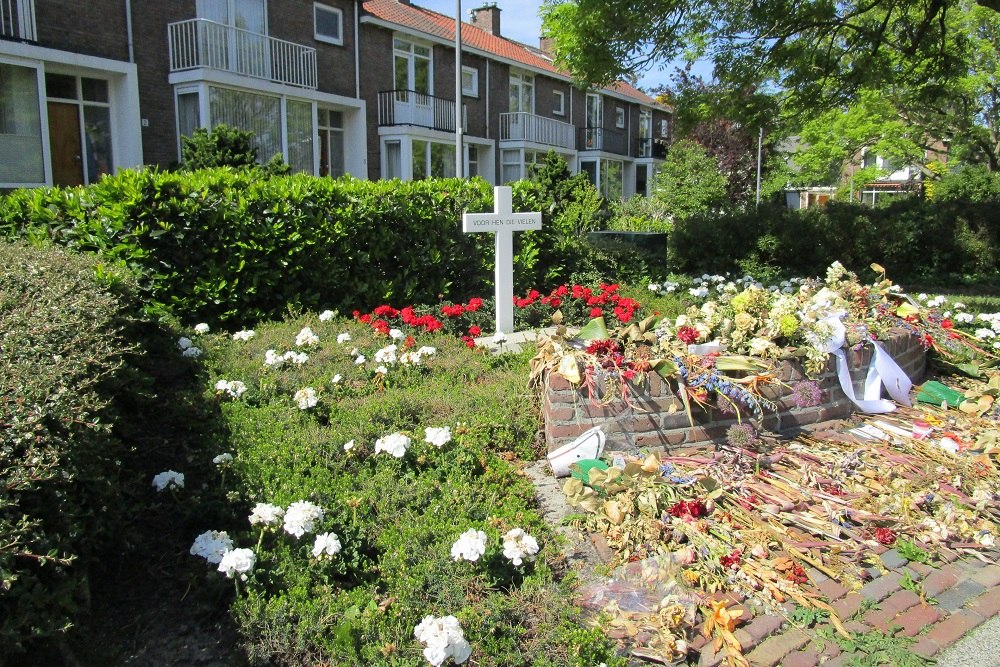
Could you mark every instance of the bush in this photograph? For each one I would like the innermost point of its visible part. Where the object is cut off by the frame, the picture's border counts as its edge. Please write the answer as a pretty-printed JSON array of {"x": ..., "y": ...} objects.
[
  {"x": 973, "y": 183},
  {"x": 226, "y": 146},
  {"x": 63, "y": 359},
  {"x": 639, "y": 214}
]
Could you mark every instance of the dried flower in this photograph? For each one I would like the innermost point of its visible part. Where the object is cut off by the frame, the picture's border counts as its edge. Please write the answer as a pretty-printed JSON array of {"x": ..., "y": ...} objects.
[
  {"x": 806, "y": 394},
  {"x": 743, "y": 436}
]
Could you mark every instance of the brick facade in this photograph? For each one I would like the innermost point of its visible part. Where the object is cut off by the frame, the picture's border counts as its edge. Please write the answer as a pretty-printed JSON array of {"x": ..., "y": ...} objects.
[
  {"x": 657, "y": 418},
  {"x": 95, "y": 28}
]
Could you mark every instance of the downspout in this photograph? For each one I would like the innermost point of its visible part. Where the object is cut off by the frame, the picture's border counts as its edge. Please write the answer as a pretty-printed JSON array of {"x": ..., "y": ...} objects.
[
  {"x": 357, "y": 52},
  {"x": 488, "y": 119},
  {"x": 128, "y": 30}
]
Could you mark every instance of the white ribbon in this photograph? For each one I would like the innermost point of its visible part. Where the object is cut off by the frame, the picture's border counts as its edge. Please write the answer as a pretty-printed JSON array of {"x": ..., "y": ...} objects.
[{"x": 883, "y": 370}]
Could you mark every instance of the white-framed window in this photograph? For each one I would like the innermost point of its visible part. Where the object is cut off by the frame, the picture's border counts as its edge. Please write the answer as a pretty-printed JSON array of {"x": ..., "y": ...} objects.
[
  {"x": 412, "y": 69},
  {"x": 558, "y": 103},
  {"x": 620, "y": 117},
  {"x": 645, "y": 133},
  {"x": 432, "y": 160},
  {"x": 515, "y": 164},
  {"x": 664, "y": 128},
  {"x": 393, "y": 159},
  {"x": 21, "y": 148},
  {"x": 470, "y": 81},
  {"x": 522, "y": 92},
  {"x": 80, "y": 132},
  {"x": 329, "y": 24},
  {"x": 611, "y": 178},
  {"x": 331, "y": 142},
  {"x": 472, "y": 152}
]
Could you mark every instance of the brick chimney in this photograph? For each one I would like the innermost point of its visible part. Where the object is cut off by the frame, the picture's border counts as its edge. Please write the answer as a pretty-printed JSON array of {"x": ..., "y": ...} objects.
[
  {"x": 547, "y": 44},
  {"x": 487, "y": 17}
]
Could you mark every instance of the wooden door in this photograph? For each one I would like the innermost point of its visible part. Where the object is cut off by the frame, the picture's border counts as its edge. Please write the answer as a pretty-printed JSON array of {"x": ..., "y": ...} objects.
[{"x": 64, "y": 144}]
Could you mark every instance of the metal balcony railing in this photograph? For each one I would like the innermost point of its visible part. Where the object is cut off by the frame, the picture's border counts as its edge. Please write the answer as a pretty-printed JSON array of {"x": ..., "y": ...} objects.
[
  {"x": 202, "y": 43},
  {"x": 408, "y": 107},
  {"x": 17, "y": 20},
  {"x": 601, "y": 139},
  {"x": 520, "y": 126}
]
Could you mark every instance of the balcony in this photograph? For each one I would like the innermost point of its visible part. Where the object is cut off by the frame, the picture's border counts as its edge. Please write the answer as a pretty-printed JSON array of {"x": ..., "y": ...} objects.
[
  {"x": 652, "y": 148},
  {"x": 602, "y": 139},
  {"x": 537, "y": 129},
  {"x": 17, "y": 20},
  {"x": 408, "y": 107},
  {"x": 198, "y": 43}
]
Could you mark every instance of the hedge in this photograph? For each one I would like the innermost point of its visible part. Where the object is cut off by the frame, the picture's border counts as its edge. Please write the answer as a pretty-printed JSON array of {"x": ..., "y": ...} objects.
[{"x": 231, "y": 246}]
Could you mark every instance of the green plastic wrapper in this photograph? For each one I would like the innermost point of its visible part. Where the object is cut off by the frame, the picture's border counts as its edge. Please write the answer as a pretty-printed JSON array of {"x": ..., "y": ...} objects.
[
  {"x": 935, "y": 393},
  {"x": 581, "y": 469}
]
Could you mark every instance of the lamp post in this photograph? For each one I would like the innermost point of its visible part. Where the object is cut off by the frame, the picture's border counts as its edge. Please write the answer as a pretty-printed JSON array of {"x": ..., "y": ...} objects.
[{"x": 459, "y": 153}]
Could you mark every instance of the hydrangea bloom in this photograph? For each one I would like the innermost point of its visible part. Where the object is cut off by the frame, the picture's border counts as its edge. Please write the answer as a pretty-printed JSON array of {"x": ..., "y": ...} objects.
[
  {"x": 306, "y": 398},
  {"x": 237, "y": 561},
  {"x": 439, "y": 437},
  {"x": 211, "y": 545},
  {"x": 336, "y": 379},
  {"x": 266, "y": 514},
  {"x": 301, "y": 516},
  {"x": 443, "y": 638},
  {"x": 306, "y": 337},
  {"x": 232, "y": 388},
  {"x": 326, "y": 316},
  {"x": 168, "y": 478},
  {"x": 343, "y": 338},
  {"x": 469, "y": 546},
  {"x": 192, "y": 352},
  {"x": 244, "y": 335},
  {"x": 223, "y": 459},
  {"x": 395, "y": 444},
  {"x": 518, "y": 546},
  {"x": 327, "y": 545},
  {"x": 201, "y": 328},
  {"x": 184, "y": 343}
]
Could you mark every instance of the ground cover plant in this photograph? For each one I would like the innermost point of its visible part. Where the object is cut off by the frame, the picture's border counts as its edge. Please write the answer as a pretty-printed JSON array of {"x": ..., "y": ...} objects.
[{"x": 356, "y": 465}]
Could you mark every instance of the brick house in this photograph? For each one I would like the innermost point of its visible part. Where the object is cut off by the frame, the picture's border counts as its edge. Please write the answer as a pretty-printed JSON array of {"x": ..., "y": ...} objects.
[{"x": 333, "y": 86}]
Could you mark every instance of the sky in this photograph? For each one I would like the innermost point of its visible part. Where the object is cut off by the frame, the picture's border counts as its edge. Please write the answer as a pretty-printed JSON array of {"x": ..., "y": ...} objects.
[{"x": 519, "y": 21}]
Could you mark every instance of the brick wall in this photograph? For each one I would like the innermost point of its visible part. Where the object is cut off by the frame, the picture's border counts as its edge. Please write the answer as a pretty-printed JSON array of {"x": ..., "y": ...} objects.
[
  {"x": 376, "y": 75},
  {"x": 657, "y": 418},
  {"x": 293, "y": 21},
  {"x": 95, "y": 28}
]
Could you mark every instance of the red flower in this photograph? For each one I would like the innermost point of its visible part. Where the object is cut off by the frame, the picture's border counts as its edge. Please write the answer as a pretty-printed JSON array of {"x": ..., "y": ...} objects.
[
  {"x": 562, "y": 290},
  {"x": 381, "y": 326},
  {"x": 687, "y": 335},
  {"x": 409, "y": 342},
  {"x": 475, "y": 303},
  {"x": 885, "y": 536},
  {"x": 688, "y": 509},
  {"x": 596, "y": 312},
  {"x": 555, "y": 301},
  {"x": 365, "y": 318},
  {"x": 732, "y": 561},
  {"x": 946, "y": 324},
  {"x": 385, "y": 310},
  {"x": 469, "y": 342},
  {"x": 475, "y": 331}
]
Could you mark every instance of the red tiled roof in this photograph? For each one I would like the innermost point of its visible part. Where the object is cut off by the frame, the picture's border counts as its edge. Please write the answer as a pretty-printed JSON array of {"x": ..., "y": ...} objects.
[{"x": 441, "y": 26}]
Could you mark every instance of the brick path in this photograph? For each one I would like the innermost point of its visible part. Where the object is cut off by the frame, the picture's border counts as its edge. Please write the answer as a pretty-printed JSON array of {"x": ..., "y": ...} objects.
[{"x": 966, "y": 591}]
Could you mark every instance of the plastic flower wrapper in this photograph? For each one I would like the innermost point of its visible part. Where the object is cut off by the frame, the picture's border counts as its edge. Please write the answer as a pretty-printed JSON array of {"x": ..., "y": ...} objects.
[
  {"x": 443, "y": 638},
  {"x": 237, "y": 562},
  {"x": 437, "y": 436},
  {"x": 518, "y": 546},
  {"x": 301, "y": 517},
  {"x": 267, "y": 515},
  {"x": 327, "y": 545},
  {"x": 211, "y": 545},
  {"x": 395, "y": 444},
  {"x": 306, "y": 338},
  {"x": 469, "y": 546},
  {"x": 168, "y": 479}
]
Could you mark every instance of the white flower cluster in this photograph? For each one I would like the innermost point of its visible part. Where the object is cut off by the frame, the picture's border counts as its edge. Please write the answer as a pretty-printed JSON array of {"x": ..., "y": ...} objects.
[
  {"x": 936, "y": 302},
  {"x": 499, "y": 338},
  {"x": 327, "y": 545},
  {"x": 266, "y": 514},
  {"x": 469, "y": 546},
  {"x": 395, "y": 334},
  {"x": 168, "y": 479},
  {"x": 223, "y": 459},
  {"x": 272, "y": 358},
  {"x": 301, "y": 517},
  {"x": 201, "y": 328},
  {"x": 666, "y": 287},
  {"x": 306, "y": 338},
  {"x": 188, "y": 348},
  {"x": 443, "y": 639},
  {"x": 394, "y": 443},
  {"x": 437, "y": 436},
  {"x": 416, "y": 358},
  {"x": 326, "y": 316},
  {"x": 237, "y": 561},
  {"x": 343, "y": 338},
  {"x": 991, "y": 333},
  {"x": 244, "y": 335},
  {"x": 518, "y": 546},
  {"x": 306, "y": 398},
  {"x": 336, "y": 378},
  {"x": 387, "y": 355},
  {"x": 231, "y": 388},
  {"x": 212, "y": 545}
]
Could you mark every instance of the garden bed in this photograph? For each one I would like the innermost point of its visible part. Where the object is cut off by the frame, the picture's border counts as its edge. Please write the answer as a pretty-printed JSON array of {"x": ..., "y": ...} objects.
[{"x": 656, "y": 418}]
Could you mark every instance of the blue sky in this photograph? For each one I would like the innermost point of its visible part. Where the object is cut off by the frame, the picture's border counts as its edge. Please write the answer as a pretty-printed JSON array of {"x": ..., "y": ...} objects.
[{"x": 519, "y": 21}]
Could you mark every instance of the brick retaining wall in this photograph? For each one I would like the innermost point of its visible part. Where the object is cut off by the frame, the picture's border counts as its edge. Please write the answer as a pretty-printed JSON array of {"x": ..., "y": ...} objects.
[{"x": 657, "y": 419}]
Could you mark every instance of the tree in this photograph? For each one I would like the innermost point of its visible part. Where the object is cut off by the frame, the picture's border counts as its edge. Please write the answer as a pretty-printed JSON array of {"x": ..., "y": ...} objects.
[{"x": 689, "y": 181}]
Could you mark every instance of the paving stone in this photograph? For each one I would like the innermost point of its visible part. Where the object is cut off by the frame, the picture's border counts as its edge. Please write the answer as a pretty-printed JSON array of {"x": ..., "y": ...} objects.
[
  {"x": 816, "y": 576},
  {"x": 857, "y": 626},
  {"x": 774, "y": 648},
  {"x": 807, "y": 658},
  {"x": 709, "y": 658},
  {"x": 954, "y": 627},
  {"x": 987, "y": 605},
  {"x": 832, "y": 590},
  {"x": 841, "y": 660},
  {"x": 915, "y": 619},
  {"x": 848, "y": 605},
  {"x": 897, "y": 603},
  {"x": 763, "y": 626},
  {"x": 892, "y": 560},
  {"x": 881, "y": 588},
  {"x": 920, "y": 568},
  {"x": 988, "y": 576},
  {"x": 959, "y": 595},
  {"x": 926, "y": 648},
  {"x": 941, "y": 580}
]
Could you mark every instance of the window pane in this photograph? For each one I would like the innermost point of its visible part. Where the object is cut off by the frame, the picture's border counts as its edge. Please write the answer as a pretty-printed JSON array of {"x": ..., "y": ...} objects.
[
  {"x": 188, "y": 114},
  {"x": 473, "y": 162},
  {"x": 393, "y": 160},
  {"x": 336, "y": 166},
  {"x": 95, "y": 90},
  {"x": 97, "y": 131},
  {"x": 260, "y": 114},
  {"x": 442, "y": 161},
  {"x": 328, "y": 22},
  {"x": 20, "y": 126},
  {"x": 419, "y": 159},
  {"x": 300, "y": 136},
  {"x": 421, "y": 75},
  {"x": 61, "y": 86}
]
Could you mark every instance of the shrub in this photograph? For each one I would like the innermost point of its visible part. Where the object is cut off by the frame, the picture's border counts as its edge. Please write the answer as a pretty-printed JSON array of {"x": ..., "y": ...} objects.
[
  {"x": 223, "y": 146},
  {"x": 973, "y": 183},
  {"x": 639, "y": 214},
  {"x": 689, "y": 181},
  {"x": 63, "y": 358}
]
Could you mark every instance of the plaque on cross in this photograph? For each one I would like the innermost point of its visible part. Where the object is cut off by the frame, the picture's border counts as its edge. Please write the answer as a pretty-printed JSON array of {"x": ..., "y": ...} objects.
[{"x": 503, "y": 222}]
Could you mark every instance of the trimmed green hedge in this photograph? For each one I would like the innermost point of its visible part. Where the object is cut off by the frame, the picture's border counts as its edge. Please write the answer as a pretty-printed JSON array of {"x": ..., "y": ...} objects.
[
  {"x": 62, "y": 359},
  {"x": 931, "y": 242},
  {"x": 226, "y": 245}
]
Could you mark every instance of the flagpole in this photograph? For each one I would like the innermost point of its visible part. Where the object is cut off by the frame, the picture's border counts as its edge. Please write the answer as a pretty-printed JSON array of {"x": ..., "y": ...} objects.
[{"x": 459, "y": 153}]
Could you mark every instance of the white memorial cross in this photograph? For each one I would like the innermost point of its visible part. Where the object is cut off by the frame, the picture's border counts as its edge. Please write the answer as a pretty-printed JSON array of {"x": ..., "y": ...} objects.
[{"x": 503, "y": 222}]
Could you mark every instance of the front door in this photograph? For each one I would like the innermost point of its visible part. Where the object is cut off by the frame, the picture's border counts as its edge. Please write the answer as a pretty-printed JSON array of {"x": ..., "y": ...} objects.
[
  {"x": 412, "y": 76},
  {"x": 64, "y": 143}
]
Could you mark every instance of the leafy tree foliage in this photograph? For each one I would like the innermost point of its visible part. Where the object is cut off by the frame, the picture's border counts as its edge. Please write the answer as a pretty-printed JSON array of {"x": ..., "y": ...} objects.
[{"x": 689, "y": 182}]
